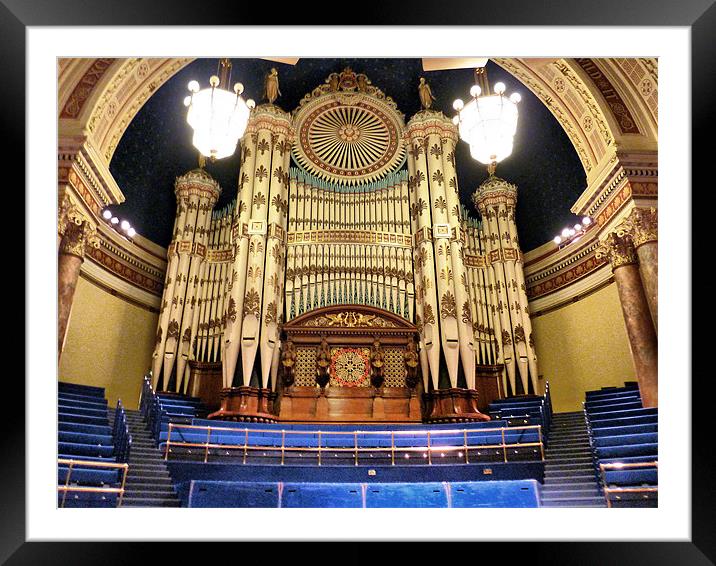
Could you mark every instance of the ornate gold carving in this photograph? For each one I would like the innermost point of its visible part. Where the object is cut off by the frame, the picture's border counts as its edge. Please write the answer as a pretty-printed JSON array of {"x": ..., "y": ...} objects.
[
  {"x": 448, "y": 306},
  {"x": 252, "y": 302},
  {"x": 351, "y": 319},
  {"x": 619, "y": 250},
  {"x": 644, "y": 223},
  {"x": 79, "y": 236},
  {"x": 173, "y": 330}
]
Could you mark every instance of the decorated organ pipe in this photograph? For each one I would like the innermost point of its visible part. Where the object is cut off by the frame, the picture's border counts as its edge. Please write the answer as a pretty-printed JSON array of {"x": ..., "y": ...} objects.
[
  {"x": 272, "y": 295},
  {"x": 272, "y": 127},
  {"x": 498, "y": 198},
  {"x": 369, "y": 214},
  {"x": 448, "y": 139},
  {"x": 196, "y": 192},
  {"x": 426, "y": 292},
  {"x": 240, "y": 247},
  {"x": 491, "y": 198},
  {"x": 197, "y": 261}
]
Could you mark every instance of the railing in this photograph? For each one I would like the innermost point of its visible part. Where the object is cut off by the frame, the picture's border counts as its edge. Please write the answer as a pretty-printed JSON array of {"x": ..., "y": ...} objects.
[
  {"x": 427, "y": 449},
  {"x": 635, "y": 489},
  {"x": 120, "y": 434},
  {"x": 152, "y": 409},
  {"x": 65, "y": 489}
]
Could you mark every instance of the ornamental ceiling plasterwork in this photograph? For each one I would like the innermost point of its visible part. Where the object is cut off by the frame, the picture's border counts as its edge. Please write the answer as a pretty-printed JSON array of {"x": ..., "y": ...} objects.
[
  {"x": 102, "y": 97},
  {"x": 348, "y": 131}
]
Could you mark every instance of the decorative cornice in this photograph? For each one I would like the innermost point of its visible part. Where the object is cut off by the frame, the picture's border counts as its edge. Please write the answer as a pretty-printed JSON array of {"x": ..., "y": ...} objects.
[
  {"x": 430, "y": 122},
  {"x": 197, "y": 182},
  {"x": 494, "y": 191},
  {"x": 270, "y": 117}
]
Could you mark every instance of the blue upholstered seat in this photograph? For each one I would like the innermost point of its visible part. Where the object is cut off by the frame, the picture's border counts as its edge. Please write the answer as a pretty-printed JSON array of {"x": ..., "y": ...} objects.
[
  {"x": 630, "y": 450},
  {"x": 233, "y": 494},
  {"x": 625, "y": 439},
  {"x": 316, "y": 495},
  {"x": 422, "y": 495},
  {"x": 87, "y": 499},
  {"x": 631, "y": 477}
]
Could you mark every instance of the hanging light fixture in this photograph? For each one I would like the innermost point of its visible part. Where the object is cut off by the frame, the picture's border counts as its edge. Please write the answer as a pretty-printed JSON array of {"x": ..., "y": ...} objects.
[
  {"x": 488, "y": 122},
  {"x": 218, "y": 116}
]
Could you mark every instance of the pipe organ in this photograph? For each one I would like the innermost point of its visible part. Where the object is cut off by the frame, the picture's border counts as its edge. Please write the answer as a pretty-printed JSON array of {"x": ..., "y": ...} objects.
[{"x": 344, "y": 216}]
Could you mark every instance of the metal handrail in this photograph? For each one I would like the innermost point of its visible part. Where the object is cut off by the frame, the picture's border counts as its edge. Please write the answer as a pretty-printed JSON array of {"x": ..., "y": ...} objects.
[
  {"x": 427, "y": 449},
  {"x": 88, "y": 464},
  {"x": 620, "y": 466}
]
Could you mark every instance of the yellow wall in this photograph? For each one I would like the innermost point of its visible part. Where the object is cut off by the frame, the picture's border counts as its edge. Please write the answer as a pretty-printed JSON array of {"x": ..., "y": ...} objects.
[
  {"x": 583, "y": 346},
  {"x": 109, "y": 344}
]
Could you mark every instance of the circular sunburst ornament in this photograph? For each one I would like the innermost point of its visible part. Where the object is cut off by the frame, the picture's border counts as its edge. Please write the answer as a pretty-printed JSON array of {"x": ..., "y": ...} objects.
[
  {"x": 348, "y": 137},
  {"x": 350, "y": 367}
]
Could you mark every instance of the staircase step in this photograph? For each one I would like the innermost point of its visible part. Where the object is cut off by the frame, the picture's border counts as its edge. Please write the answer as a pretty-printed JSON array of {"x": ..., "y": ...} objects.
[
  {"x": 152, "y": 479},
  {"x": 150, "y": 486},
  {"x": 150, "y": 502},
  {"x": 587, "y": 483},
  {"x": 572, "y": 503},
  {"x": 569, "y": 479},
  {"x": 150, "y": 493},
  {"x": 570, "y": 493}
]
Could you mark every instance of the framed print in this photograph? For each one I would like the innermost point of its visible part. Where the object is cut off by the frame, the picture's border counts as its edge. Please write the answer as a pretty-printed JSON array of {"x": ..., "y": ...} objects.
[{"x": 238, "y": 204}]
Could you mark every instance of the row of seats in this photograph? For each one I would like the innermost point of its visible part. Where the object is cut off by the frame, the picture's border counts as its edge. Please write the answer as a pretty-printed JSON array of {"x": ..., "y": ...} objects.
[
  {"x": 159, "y": 409},
  {"x": 523, "y": 410},
  {"x": 520, "y": 493},
  {"x": 89, "y": 449},
  {"x": 281, "y": 444},
  {"x": 624, "y": 439}
]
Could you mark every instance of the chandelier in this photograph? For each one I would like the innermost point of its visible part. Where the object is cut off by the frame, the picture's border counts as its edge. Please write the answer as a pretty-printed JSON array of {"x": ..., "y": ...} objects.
[
  {"x": 218, "y": 116},
  {"x": 488, "y": 122}
]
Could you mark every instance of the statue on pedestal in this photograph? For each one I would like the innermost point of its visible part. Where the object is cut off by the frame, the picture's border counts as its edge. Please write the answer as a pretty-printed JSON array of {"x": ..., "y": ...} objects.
[
  {"x": 426, "y": 95},
  {"x": 271, "y": 91},
  {"x": 411, "y": 364},
  {"x": 323, "y": 363},
  {"x": 288, "y": 363},
  {"x": 377, "y": 363}
]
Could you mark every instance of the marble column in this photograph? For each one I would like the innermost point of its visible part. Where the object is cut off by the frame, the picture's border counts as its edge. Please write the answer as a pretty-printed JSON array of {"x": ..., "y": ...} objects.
[
  {"x": 637, "y": 317},
  {"x": 643, "y": 230},
  {"x": 77, "y": 235}
]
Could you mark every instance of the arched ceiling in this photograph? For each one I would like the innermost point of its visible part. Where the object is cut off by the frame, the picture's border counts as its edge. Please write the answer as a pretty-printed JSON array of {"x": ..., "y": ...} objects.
[{"x": 156, "y": 146}]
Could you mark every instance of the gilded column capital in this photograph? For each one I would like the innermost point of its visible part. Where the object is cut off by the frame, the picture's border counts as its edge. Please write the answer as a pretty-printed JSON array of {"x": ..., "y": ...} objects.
[
  {"x": 78, "y": 237},
  {"x": 68, "y": 213},
  {"x": 618, "y": 249},
  {"x": 644, "y": 223}
]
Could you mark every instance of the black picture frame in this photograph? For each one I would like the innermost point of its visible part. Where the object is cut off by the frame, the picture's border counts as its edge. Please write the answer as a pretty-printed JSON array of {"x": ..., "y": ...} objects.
[{"x": 698, "y": 15}]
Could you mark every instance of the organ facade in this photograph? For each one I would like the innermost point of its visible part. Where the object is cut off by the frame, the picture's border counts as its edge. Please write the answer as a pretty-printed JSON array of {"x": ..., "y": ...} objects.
[{"x": 348, "y": 243}]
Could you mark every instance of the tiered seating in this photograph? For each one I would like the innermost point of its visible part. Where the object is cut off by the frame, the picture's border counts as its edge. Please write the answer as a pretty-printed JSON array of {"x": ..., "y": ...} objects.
[
  {"x": 306, "y": 444},
  {"x": 160, "y": 409},
  {"x": 624, "y": 439},
  {"x": 524, "y": 410},
  {"x": 521, "y": 493},
  {"x": 336, "y": 455},
  {"x": 91, "y": 454}
]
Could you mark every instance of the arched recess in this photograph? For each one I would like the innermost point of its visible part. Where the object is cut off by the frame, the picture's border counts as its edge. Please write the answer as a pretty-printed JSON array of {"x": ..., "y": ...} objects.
[
  {"x": 110, "y": 92},
  {"x": 98, "y": 98}
]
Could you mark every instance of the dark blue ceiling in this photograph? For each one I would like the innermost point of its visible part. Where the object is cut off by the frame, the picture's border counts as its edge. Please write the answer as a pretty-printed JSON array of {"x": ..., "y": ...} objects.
[{"x": 156, "y": 146}]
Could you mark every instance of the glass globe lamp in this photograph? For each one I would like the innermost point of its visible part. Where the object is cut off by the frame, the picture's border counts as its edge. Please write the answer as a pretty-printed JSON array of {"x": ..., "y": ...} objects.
[
  {"x": 488, "y": 121},
  {"x": 217, "y": 116}
]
